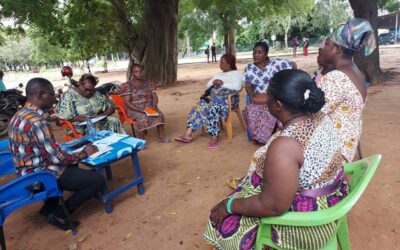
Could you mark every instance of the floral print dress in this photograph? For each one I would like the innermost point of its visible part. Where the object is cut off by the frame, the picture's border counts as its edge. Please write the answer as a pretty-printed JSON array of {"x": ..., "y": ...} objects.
[
  {"x": 142, "y": 97},
  {"x": 259, "y": 121},
  {"x": 322, "y": 167},
  {"x": 344, "y": 105},
  {"x": 73, "y": 104}
]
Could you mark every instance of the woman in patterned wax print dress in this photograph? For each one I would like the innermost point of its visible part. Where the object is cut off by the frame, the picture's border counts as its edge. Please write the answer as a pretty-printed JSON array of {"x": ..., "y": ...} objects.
[
  {"x": 138, "y": 95},
  {"x": 299, "y": 169},
  {"x": 345, "y": 87},
  {"x": 260, "y": 123},
  {"x": 82, "y": 101},
  {"x": 210, "y": 114}
]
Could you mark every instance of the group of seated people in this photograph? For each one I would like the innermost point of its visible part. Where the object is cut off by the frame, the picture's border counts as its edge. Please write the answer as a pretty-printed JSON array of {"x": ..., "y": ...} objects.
[{"x": 299, "y": 168}]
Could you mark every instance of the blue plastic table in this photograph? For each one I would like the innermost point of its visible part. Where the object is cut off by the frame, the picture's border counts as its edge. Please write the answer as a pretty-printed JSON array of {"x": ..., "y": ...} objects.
[{"x": 122, "y": 146}]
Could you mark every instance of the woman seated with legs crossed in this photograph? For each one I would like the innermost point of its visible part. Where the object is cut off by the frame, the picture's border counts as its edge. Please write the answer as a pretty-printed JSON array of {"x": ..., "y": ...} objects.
[
  {"x": 83, "y": 101},
  {"x": 299, "y": 169},
  {"x": 141, "y": 101},
  {"x": 210, "y": 112}
]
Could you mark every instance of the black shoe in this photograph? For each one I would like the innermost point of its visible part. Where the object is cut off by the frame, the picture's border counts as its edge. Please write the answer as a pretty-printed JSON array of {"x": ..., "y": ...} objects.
[{"x": 61, "y": 223}]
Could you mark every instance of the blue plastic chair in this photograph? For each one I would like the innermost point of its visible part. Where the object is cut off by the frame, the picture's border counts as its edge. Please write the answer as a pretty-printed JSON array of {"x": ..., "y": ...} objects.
[
  {"x": 4, "y": 144},
  {"x": 17, "y": 194}
]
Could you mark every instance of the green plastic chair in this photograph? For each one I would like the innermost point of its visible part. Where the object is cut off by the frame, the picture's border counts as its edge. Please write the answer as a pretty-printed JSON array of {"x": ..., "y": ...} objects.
[{"x": 361, "y": 173}]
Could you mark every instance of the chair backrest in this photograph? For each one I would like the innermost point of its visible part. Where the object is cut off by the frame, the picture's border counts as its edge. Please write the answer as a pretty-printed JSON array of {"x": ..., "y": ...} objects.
[
  {"x": 6, "y": 163},
  {"x": 15, "y": 194},
  {"x": 67, "y": 125},
  {"x": 361, "y": 173},
  {"x": 4, "y": 144},
  {"x": 121, "y": 108}
]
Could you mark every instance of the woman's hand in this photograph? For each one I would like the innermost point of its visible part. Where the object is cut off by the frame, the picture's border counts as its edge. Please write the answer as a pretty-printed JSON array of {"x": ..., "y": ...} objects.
[
  {"x": 218, "y": 82},
  {"x": 80, "y": 118},
  {"x": 219, "y": 213}
]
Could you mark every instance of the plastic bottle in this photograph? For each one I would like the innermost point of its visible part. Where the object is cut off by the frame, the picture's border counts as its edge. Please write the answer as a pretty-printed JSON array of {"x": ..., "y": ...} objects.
[{"x": 91, "y": 132}]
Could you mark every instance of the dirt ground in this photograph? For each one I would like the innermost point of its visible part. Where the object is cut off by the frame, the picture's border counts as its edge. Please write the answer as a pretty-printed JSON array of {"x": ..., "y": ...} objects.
[{"x": 182, "y": 182}]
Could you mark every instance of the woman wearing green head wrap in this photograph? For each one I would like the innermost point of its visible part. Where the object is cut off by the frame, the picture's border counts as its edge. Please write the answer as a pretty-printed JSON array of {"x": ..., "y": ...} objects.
[{"x": 344, "y": 87}]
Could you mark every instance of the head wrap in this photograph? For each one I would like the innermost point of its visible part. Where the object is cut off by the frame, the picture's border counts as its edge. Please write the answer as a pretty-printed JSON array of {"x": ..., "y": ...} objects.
[{"x": 354, "y": 34}]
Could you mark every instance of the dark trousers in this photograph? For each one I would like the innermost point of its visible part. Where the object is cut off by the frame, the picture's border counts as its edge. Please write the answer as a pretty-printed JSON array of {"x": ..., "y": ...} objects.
[
  {"x": 83, "y": 183},
  {"x": 214, "y": 57}
]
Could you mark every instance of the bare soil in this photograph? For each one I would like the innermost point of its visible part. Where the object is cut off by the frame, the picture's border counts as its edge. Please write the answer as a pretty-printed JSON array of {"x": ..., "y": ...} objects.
[{"x": 183, "y": 182}]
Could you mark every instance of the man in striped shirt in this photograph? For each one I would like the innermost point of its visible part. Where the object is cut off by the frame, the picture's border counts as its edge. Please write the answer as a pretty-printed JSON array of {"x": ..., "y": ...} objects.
[{"x": 35, "y": 149}]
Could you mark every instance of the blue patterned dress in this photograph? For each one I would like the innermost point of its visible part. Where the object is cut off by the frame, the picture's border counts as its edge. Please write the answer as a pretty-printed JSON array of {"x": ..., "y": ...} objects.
[{"x": 210, "y": 114}]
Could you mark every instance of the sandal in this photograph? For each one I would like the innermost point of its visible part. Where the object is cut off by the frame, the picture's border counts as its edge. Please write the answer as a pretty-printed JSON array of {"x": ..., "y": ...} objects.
[
  {"x": 213, "y": 145},
  {"x": 183, "y": 139},
  {"x": 231, "y": 183}
]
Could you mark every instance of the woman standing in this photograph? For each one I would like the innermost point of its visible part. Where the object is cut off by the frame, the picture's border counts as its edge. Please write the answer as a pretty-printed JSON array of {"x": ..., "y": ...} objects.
[
  {"x": 344, "y": 87},
  {"x": 139, "y": 96},
  {"x": 257, "y": 75},
  {"x": 210, "y": 113},
  {"x": 83, "y": 101}
]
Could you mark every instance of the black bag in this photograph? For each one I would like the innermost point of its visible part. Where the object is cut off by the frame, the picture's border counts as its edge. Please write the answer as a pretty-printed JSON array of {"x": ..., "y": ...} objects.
[{"x": 205, "y": 96}]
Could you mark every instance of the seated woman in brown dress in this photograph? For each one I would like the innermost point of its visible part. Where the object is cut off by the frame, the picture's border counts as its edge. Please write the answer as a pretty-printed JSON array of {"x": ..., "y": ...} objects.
[{"x": 140, "y": 99}]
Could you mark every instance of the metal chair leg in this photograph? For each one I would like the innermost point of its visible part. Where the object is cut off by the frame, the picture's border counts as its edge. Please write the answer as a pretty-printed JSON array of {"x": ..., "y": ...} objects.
[
  {"x": 2, "y": 239},
  {"x": 68, "y": 216}
]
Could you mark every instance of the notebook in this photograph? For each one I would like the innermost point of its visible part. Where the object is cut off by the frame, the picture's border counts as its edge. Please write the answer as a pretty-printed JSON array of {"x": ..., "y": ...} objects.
[{"x": 151, "y": 111}]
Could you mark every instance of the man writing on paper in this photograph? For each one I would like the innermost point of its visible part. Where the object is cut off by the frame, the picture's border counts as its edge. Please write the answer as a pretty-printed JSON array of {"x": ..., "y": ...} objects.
[{"x": 35, "y": 149}]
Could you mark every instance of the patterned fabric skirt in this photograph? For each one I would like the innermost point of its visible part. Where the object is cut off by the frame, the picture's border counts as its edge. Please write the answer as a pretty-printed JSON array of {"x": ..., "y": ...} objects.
[
  {"x": 259, "y": 121},
  {"x": 109, "y": 123},
  {"x": 210, "y": 114},
  {"x": 240, "y": 232},
  {"x": 144, "y": 122}
]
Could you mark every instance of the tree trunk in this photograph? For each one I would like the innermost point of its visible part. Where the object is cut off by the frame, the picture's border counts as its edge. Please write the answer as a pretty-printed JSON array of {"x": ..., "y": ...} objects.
[
  {"x": 187, "y": 44},
  {"x": 231, "y": 48},
  {"x": 130, "y": 66},
  {"x": 161, "y": 54},
  {"x": 368, "y": 65},
  {"x": 287, "y": 28}
]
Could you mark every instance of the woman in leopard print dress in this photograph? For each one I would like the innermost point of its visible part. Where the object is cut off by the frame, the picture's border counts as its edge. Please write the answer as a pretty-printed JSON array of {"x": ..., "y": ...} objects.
[{"x": 299, "y": 169}]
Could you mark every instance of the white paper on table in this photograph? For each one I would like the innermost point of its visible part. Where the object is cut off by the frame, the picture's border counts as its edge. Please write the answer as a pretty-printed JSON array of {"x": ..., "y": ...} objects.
[
  {"x": 109, "y": 140},
  {"x": 78, "y": 149},
  {"x": 96, "y": 119}
]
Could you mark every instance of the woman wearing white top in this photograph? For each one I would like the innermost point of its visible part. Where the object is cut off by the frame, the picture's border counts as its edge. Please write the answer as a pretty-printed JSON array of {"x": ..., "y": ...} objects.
[{"x": 213, "y": 106}]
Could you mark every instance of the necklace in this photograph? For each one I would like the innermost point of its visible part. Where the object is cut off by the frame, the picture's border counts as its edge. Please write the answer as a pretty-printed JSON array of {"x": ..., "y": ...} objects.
[{"x": 290, "y": 120}]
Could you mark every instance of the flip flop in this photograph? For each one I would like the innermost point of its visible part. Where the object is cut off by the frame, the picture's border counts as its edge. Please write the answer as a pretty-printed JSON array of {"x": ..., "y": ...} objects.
[
  {"x": 213, "y": 145},
  {"x": 183, "y": 139},
  {"x": 231, "y": 183}
]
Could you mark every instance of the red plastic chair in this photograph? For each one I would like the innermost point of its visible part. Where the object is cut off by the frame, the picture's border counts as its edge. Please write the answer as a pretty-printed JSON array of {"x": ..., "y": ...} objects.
[
  {"x": 121, "y": 108},
  {"x": 67, "y": 125}
]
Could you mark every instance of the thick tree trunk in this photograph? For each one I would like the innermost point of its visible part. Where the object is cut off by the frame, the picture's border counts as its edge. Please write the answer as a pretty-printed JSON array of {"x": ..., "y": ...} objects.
[
  {"x": 130, "y": 67},
  {"x": 231, "y": 48},
  {"x": 160, "y": 27},
  {"x": 368, "y": 65}
]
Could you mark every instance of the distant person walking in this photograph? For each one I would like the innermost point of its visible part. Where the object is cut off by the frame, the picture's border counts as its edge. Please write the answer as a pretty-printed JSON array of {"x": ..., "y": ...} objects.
[
  {"x": 207, "y": 52},
  {"x": 213, "y": 53},
  {"x": 295, "y": 44},
  {"x": 306, "y": 43}
]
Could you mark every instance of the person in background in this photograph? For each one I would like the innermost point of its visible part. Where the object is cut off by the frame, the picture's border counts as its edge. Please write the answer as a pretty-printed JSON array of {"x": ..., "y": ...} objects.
[
  {"x": 295, "y": 44},
  {"x": 34, "y": 148},
  {"x": 207, "y": 52},
  {"x": 2, "y": 85},
  {"x": 306, "y": 43},
  {"x": 344, "y": 86},
  {"x": 299, "y": 169},
  {"x": 213, "y": 53},
  {"x": 83, "y": 101}
]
